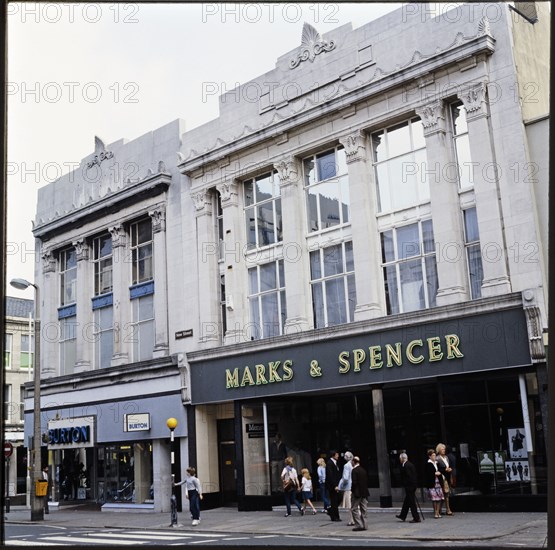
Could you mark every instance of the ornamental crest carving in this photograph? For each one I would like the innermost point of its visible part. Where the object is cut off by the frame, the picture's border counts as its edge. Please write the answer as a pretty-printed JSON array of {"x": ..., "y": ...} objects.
[
  {"x": 199, "y": 200},
  {"x": 227, "y": 191},
  {"x": 312, "y": 45},
  {"x": 473, "y": 98},
  {"x": 48, "y": 262},
  {"x": 81, "y": 250},
  {"x": 158, "y": 217},
  {"x": 118, "y": 235},
  {"x": 100, "y": 153}
]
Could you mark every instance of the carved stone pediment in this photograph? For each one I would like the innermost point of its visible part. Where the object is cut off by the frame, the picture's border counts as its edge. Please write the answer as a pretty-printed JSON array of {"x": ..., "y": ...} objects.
[{"x": 311, "y": 46}]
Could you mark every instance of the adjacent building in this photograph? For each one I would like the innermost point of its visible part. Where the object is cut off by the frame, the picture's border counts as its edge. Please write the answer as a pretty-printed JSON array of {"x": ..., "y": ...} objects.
[{"x": 351, "y": 256}]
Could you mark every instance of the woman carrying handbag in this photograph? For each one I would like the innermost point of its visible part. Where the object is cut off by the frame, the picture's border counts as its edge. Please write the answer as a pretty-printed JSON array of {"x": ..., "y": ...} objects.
[{"x": 290, "y": 481}]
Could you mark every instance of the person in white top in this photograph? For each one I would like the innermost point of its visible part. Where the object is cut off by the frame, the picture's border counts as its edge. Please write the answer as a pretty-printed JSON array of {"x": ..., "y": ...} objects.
[
  {"x": 193, "y": 492},
  {"x": 306, "y": 490},
  {"x": 345, "y": 485},
  {"x": 445, "y": 469},
  {"x": 290, "y": 480}
]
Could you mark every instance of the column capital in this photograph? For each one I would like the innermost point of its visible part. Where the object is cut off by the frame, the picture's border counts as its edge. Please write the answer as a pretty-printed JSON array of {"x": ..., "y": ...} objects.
[
  {"x": 202, "y": 202},
  {"x": 81, "y": 249},
  {"x": 228, "y": 193},
  {"x": 288, "y": 170},
  {"x": 48, "y": 261},
  {"x": 475, "y": 100},
  {"x": 355, "y": 146},
  {"x": 118, "y": 234},
  {"x": 158, "y": 216},
  {"x": 432, "y": 115}
]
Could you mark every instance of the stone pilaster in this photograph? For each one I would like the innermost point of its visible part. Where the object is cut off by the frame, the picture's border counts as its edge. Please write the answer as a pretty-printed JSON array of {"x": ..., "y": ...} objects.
[
  {"x": 161, "y": 345},
  {"x": 444, "y": 198},
  {"x": 84, "y": 319},
  {"x": 295, "y": 257},
  {"x": 366, "y": 241},
  {"x": 486, "y": 190},
  {"x": 122, "y": 307},
  {"x": 208, "y": 272},
  {"x": 49, "y": 292}
]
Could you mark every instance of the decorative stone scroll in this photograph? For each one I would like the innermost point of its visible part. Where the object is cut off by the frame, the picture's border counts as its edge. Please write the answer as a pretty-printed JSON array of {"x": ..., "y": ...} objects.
[
  {"x": 81, "y": 250},
  {"x": 201, "y": 200},
  {"x": 355, "y": 146},
  {"x": 433, "y": 116},
  {"x": 118, "y": 234},
  {"x": 288, "y": 171},
  {"x": 474, "y": 99},
  {"x": 100, "y": 153},
  {"x": 48, "y": 261},
  {"x": 312, "y": 45},
  {"x": 158, "y": 217}
]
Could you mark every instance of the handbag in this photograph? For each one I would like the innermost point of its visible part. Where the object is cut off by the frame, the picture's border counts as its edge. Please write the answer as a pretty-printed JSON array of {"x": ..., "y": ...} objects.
[
  {"x": 288, "y": 484},
  {"x": 445, "y": 485}
]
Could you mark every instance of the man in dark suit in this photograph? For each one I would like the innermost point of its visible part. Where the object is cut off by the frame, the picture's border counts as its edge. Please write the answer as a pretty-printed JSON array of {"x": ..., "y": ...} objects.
[
  {"x": 359, "y": 495},
  {"x": 333, "y": 477},
  {"x": 409, "y": 481}
]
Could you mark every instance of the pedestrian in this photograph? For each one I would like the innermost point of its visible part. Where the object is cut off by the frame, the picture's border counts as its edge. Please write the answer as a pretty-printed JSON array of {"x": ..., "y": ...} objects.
[
  {"x": 66, "y": 487},
  {"x": 333, "y": 477},
  {"x": 359, "y": 495},
  {"x": 322, "y": 483},
  {"x": 445, "y": 468},
  {"x": 306, "y": 490},
  {"x": 345, "y": 486},
  {"x": 45, "y": 478},
  {"x": 278, "y": 453},
  {"x": 193, "y": 493},
  {"x": 433, "y": 483},
  {"x": 409, "y": 481},
  {"x": 290, "y": 481}
]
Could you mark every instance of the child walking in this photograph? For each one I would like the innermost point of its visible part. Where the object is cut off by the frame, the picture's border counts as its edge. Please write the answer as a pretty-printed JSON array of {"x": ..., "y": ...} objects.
[
  {"x": 306, "y": 490},
  {"x": 193, "y": 492}
]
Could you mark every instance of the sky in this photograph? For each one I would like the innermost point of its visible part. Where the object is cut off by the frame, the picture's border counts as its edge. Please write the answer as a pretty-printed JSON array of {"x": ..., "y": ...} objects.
[{"x": 123, "y": 69}]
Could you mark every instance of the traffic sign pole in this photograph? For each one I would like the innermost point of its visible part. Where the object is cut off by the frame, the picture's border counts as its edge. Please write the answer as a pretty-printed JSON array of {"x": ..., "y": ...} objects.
[{"x": 8, "y": 450}]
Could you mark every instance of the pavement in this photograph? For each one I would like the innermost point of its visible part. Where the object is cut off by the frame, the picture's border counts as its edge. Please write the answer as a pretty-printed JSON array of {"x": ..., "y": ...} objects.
[{"x": 520, "y": 529}]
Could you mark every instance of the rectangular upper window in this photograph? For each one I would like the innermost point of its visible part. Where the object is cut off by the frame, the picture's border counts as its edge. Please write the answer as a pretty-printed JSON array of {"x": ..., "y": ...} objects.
[
  {"x": 102, "y": 259},
  {"x": 68, "y": 276},
  {"x": 473, "y": 252},
  {"x": 400, "y": 166},
  {"x": 8, "y": 339},
  {"x": 141, "y": 251},
  {"x": 263, "y": 210},
  {"x": 327, "y": 189},
  {"x": 409, "y": 267}
]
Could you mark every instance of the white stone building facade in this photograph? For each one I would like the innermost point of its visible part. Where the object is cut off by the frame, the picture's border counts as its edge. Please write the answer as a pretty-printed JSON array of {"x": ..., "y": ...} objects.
[{"x": 363, "y": 245}]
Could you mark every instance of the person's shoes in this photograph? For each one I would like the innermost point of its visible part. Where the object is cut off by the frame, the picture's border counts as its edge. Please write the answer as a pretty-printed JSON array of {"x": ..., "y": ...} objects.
[
  {"x": 336, "y": 519},
  {"x": 400, "y": 517},
  {"x": 351, "y": 523},
  {"x": 302, "y": 512},
  {"x": 287, "y": 515},
  {"x": 449, "y": 514},
  {"x": 324, "y": 511},
  {"x": 195, "y": 522},
  {"x": 414, "y": 521},
  {"x": 313, "y": 512},
  {"x": 359, "y": 529}
]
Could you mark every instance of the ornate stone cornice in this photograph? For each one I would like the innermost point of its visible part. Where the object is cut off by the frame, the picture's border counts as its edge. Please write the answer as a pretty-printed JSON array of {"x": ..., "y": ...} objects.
[
  {"x": 158, "y": 216},
  {"x": 228, "y": 192},
  {"x": 48, "y": 261},
  {"x": 474, "y": 100},
  {"x": 201, "y": 200},
  {"x": 81, "y": 250},
  {"x": 119, "y": 236},
  {"x": 433, "y": 116},
  {"x": 312, "y": 45},
  {"x": 355, "y": 146},
  {"x": 288, "y": 171}
]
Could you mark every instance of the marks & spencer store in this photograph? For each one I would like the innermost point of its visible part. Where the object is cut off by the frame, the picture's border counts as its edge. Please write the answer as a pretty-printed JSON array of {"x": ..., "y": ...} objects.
[{"x": 463, "y": 376}]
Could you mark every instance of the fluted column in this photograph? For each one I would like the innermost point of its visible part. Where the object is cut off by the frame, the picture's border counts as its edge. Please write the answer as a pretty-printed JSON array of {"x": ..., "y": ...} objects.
[
  {"x": 161, "y": 345},
  {"x": 84, "y": 332},
  {"x": 123, "y": 332},
  {"x": 366, "y": 241},
  {"x": 295, "y": 257},
  {"x": 49, "y": 336},
  {"x": 446, "y": 212},
  {"x": 490, "y": 225},
  {"x": 208, "y": 273},
  {"x": 235, "y": 278}
]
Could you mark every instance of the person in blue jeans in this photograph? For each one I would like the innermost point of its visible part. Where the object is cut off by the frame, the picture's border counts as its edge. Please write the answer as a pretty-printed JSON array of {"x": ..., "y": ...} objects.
[
  {"x": 193, "y": 492},
  {"x": 322, "y": 483},
  {"x": 290, "y": 477}
]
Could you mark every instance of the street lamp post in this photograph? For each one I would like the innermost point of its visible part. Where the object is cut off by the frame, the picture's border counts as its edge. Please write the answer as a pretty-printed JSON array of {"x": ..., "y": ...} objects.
[
  {"x": 37, "y": 508},
  {"x": 171, "y": 423}
]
